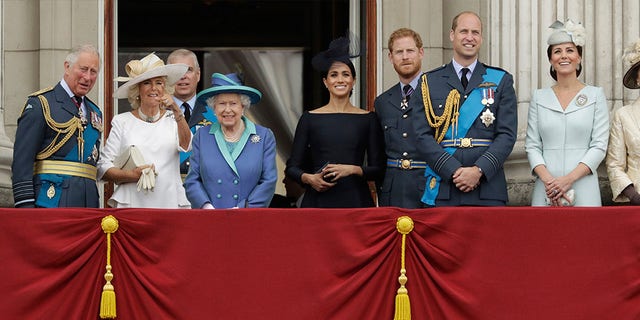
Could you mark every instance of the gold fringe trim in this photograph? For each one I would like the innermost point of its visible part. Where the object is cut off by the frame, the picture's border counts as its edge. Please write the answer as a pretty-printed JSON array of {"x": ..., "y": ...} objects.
[
  {"x": 449, "y": 115},
  {"x": 404, "y": 225},
  {"x": 108, "y": 301}
]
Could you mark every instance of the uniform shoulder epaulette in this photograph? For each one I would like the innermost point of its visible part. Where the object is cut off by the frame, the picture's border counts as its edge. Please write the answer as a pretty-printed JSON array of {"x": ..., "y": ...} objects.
[
  {"x": 492, "y": 67},
  {"x": 37, "y": 93},
  {"x": 437, "y": 69}
]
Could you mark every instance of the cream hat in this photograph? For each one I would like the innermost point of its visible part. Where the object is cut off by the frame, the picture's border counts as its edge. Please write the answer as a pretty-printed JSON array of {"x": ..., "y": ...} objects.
[
  {"x": 146, "y": 68},
  {"x": 567, "y": 32},
  {"x": 632, "y": 57}
]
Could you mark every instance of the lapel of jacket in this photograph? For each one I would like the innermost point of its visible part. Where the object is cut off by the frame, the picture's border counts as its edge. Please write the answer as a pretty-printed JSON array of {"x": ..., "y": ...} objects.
[
  {"x": 64, "y": 101},
  {"x": 197, "y": 114},
  {"x": 452, "y": 78},
  {"x": 394, "y": 97},
  {"x": 476, "y": 77}
]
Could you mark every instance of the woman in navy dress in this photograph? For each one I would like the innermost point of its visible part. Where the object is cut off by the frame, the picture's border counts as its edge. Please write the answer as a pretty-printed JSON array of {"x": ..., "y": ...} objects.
[{"x": 338, "y": 148}]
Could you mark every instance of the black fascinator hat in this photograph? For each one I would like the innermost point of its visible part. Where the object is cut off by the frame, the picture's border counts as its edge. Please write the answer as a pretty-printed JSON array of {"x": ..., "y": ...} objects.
[{"x": 342, "y": 49}]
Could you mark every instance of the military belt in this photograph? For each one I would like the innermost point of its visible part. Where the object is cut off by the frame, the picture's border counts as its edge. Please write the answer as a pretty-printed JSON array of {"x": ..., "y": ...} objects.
[
  {"x": 69, "y": 168},
  {"x": 466, "y": 143},
  {"x": 406, "y": 164}
]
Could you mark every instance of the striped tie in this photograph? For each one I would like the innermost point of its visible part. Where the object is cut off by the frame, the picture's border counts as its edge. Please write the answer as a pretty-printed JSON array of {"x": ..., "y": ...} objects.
[{"x": 408, "y": 90}]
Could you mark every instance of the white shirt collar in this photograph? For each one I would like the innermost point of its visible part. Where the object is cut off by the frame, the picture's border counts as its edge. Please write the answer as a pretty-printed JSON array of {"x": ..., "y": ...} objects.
[
  {"x": 413, "y": 83},
  {"x": 458, "y": 67},
  {"x": 66, "y": 88}
]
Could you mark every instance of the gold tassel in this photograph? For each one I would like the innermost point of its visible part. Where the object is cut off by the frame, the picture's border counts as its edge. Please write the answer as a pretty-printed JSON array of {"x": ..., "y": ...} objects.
[
  {"x": 108, "y": 300},
  {"x": 404, "y": 225}
]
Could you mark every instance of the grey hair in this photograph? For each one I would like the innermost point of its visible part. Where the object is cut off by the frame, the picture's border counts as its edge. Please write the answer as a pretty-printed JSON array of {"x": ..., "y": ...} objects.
[
  {"x": 133, "y": 96},
  {"x": 72, "y": 57},
  {"x": 244, "y": 100},
  {"x": 183, "y": 53}
]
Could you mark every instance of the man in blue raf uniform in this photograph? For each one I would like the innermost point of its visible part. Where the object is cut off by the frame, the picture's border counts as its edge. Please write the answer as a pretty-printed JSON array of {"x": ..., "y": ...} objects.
[
  {"x": 58, "y": 139},
  {"x": 185, "y": 96},
  {"x": 404, "y": 181},
  {"x": 468, "y": 124}
]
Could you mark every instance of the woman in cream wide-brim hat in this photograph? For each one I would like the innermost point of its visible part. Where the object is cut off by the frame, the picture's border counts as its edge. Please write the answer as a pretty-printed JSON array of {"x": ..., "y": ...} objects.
[
  {"x": 157, "y": 129},
  {"x": 623, "y": 153}
]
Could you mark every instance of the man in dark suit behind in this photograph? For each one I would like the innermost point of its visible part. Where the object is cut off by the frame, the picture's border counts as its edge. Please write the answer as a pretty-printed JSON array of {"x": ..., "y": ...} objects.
[
  {"x": 185, "y": 96},
  {"x": 468, "y": 124},
  {"x": 404, "y": 180}
]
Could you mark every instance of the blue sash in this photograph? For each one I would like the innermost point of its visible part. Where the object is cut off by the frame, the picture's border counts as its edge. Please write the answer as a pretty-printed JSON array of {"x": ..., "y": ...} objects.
[
  {"x": 90, "y": 136},
  {"x": 472, "y": 107}
]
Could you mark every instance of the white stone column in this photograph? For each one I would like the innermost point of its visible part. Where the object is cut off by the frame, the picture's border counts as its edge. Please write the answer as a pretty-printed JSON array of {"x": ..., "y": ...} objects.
[{"x": 6, "y": 146}]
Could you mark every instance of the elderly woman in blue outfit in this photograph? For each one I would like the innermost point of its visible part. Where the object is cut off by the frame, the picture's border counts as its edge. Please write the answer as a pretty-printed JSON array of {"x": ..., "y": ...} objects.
[{"x": 233, "y": 161}]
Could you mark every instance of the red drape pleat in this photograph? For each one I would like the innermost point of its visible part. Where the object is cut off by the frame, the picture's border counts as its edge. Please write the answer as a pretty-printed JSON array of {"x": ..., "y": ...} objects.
[{"x": 462, "y": 263}]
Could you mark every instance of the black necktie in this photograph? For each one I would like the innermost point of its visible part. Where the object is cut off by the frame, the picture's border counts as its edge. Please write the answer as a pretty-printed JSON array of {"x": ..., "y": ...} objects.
[
  {"x": 187, "y": 111},
  {"x": 464, "y": 79}
]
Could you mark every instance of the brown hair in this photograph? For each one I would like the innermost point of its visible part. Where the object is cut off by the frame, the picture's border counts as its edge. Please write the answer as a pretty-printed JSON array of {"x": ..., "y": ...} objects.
[
  {"x": 401, "y": 33},
  {"x": 553, "y": 72}
]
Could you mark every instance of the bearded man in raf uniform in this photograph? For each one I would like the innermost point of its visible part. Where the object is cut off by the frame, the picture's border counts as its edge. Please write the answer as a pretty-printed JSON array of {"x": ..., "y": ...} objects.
[{"x": 58, "y": 139}]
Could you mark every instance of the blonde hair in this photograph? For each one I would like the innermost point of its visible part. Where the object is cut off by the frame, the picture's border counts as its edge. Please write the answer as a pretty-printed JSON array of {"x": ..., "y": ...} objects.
[{"x": 133, "y": 96}]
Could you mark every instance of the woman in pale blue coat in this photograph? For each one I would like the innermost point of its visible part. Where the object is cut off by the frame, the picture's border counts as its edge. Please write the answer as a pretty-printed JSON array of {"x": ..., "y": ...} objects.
[
  {"x": 567, "y": 127},
  {"x": 233, "y": 161}
]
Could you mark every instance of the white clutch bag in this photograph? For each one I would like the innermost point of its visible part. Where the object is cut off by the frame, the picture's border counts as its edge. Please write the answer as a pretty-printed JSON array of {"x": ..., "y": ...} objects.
[
  {"x": 132, "y": 158},
  {"x": 129, "y": 159}
]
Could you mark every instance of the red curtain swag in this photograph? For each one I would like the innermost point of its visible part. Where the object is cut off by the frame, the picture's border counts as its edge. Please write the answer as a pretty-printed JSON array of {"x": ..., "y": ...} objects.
[{"x": 461, "y": 263}]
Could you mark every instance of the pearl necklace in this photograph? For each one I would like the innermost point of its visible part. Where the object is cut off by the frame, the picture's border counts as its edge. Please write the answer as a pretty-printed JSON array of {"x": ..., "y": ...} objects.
[
  {"x": 147, "y": 118},
  {"x": 232, "y": 138}
]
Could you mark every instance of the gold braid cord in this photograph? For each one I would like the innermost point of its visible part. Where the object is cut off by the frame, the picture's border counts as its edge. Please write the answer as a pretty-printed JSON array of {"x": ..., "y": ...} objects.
[
  {"x": 67, "y": 128},
  {"x": 449, "y": 115},
  {"x": 404, "y": 225},
  {"x": 109, "y": 225}
]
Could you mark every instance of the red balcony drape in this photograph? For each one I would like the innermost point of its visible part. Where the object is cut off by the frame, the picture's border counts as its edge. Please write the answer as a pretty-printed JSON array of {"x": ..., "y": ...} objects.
[{"x": 462, "y": 263}]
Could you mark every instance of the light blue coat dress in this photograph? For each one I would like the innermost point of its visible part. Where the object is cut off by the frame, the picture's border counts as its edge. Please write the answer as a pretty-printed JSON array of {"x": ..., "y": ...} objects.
[
  {"x": 243, "y": 178},
  {"x": 560, "y": 139}
]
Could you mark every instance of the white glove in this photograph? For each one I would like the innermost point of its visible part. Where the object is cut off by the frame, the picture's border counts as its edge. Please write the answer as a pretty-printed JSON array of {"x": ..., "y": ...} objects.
[{"x": 147, "y": 179}]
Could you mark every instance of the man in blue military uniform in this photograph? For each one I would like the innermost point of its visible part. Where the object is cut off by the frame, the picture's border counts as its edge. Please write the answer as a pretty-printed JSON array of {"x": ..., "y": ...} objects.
[
  {"x": 185, "y": 96},
  {"x": 58, "y": 139},
  {"x": 404, "y": 181},
  {"x": 468, "y": 124}
]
